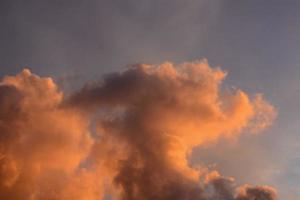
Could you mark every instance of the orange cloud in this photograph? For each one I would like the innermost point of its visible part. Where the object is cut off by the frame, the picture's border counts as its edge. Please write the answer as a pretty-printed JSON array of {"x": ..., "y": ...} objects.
[{"x": 145, "y": 122}]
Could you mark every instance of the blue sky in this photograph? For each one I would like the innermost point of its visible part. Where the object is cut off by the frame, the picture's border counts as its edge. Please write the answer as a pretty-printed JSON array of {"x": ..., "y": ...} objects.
[{"x": 256, "y": 41}]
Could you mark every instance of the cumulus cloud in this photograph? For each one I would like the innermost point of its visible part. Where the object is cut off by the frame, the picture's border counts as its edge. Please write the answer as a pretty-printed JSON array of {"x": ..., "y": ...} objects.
[
  {"x": 128, "y": 136},
  {"x": 40, "y": 142}
]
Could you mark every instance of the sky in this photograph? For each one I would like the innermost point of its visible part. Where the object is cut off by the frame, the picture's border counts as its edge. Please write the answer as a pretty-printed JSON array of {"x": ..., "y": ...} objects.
[{"x": 256, "y": 42}]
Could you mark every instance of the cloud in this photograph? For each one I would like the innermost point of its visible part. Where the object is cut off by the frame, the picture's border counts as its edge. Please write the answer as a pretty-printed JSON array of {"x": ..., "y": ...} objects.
[
  {"x": 128, "y": 136},
  {"x": 40, "y": 142},
  {"x": 258, "y": 192}
]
